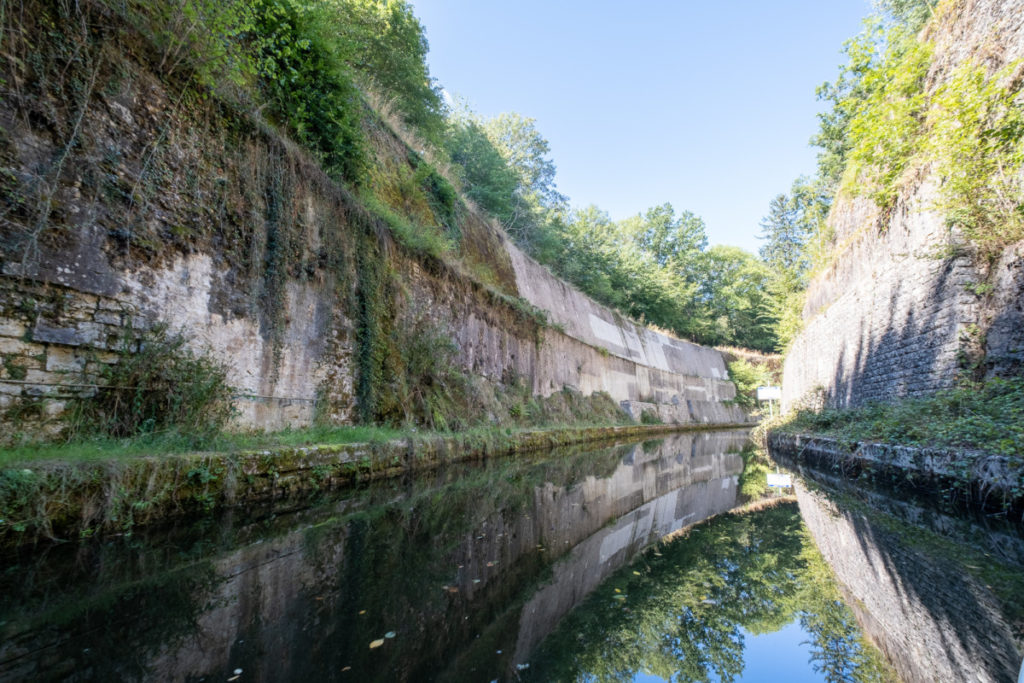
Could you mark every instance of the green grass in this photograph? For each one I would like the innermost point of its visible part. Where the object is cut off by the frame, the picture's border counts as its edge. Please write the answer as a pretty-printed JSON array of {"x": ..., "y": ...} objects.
[
  {"x": 169, "y": 443},
  {"x": 107, "y": 448},
  {"x": 987, "y": 416}
]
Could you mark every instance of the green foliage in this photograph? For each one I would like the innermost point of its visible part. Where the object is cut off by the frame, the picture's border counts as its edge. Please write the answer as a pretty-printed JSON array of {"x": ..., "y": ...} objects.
[
  {"x": 157, "y": 384},
  {"x": 985, "y": 417},
  {"x": 488, "y": 179},
  {"x": 649, "y": 417},
  {"x": 521, "y": 145},
  {"x": 302, "y": 75},
  {"x": 426, "y": 386},
  {"x": 913, "y": 14},
  {"x": 753, "y": 482},
  {"x": 976, "y": 139},
  {"x": 385, "y": 46},
  {"x": 796, "y": 237},
  {"x": 886, "y": 126},
  {"x": 734, "y": 288},
  {"x": 748, "y": 377}
]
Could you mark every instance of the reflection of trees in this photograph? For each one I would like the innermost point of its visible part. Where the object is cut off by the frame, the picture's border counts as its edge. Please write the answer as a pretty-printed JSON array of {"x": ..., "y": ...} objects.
[{"x": 679, "y": 614}]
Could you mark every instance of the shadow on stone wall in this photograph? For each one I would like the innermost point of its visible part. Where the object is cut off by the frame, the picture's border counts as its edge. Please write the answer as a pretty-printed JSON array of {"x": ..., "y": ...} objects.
[{"x": 913, "y": 352}]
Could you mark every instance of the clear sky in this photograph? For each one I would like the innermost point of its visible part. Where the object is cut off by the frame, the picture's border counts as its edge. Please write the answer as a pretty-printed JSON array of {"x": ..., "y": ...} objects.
[{"x": 707, "y": 105}]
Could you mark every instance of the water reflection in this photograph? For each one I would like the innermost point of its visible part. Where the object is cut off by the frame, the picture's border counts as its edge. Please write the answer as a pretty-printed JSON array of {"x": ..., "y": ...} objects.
[
  {"x": 451, "y": 576},
  {"x": 684, "y": 610},
  {"x": 942, "y": 594}
]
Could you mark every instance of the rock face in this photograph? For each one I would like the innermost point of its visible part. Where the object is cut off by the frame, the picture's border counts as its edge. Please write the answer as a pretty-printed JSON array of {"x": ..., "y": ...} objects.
[
  {"x": 899, "y": 312},
  {"x": 201, "y": 217}
]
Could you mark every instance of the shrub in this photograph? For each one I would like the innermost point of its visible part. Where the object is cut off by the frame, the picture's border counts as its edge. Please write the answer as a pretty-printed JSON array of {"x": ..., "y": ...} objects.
[
  {"x": 748, "y": 377},
  {"x": 157, "y": 385}
]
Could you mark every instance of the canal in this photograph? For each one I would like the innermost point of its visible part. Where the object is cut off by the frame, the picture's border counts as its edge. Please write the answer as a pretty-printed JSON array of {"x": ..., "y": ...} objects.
[{"x": 644, "y": 561}]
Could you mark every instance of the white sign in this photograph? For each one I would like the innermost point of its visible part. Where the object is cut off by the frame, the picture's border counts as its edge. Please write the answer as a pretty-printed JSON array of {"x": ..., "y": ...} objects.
[
  {"x": 769, "y": 393},
  {"x": 780, "y": 480}
]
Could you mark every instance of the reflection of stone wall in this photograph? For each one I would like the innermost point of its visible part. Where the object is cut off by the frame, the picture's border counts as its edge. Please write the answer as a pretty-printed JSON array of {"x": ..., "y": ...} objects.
[
  {"x": 932, "y": 621},
  {"x": 603, "y": 553},
  {"x": 278, "y": 603}
]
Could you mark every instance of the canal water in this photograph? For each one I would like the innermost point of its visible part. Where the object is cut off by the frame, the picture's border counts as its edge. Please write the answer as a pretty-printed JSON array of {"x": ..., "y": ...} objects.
[{"x": 638, "y": 562}]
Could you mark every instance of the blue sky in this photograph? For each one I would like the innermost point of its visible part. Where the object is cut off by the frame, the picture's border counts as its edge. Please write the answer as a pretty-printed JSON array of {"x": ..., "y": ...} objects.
[{"x": 707, "y": 105}]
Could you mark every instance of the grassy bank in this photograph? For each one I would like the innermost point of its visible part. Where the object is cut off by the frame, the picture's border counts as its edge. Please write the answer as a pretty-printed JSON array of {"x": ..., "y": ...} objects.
[
  {"x": 965, "y": 444},
  {"x": 987, "y": 416},
  {"x": 56, "y": 493}
]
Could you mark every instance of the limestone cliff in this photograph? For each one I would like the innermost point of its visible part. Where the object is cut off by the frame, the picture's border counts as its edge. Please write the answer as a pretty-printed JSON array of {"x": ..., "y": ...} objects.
[
  {"x": 132, "y": 198},
  {"x": 906, "y": 305}
]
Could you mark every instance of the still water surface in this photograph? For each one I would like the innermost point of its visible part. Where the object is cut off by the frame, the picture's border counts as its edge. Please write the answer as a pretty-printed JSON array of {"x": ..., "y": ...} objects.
[{"x": 543, "y": 568}]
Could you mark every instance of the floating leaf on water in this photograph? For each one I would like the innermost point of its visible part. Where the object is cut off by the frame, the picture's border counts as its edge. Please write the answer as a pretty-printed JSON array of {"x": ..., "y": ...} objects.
[
  {"x": 347, "y": 668},
  {"x": 618, "y": 590},
  {"x": 362, "y": 611},
  {"x": 389, "y": 634},
  {"x": 377, "y": 643},
  {"x": 635, "y": 573}
]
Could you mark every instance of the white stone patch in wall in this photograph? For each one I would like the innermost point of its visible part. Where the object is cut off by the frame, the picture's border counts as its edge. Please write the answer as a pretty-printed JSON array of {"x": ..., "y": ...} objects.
[
  {"x": 632, "y": 339},
  {"x": 664, "y": 521},
  {"x": 616, "y": 541},
  {"x": 605, "y": 331},
  {"x": 655, "y": 351}
]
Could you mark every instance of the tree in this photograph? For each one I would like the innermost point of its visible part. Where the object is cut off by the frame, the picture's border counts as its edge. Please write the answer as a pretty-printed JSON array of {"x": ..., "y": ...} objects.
[
  {"x": 487, "y": 178},
  {"x": 383, "y": 42},
  {"x": 672, "y": 241},
  {"x": 517, "y": 140},
  {"x": 733, "y": 287}
]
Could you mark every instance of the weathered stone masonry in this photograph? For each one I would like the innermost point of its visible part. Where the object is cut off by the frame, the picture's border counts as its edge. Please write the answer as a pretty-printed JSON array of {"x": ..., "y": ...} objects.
[{"x": 226, "y": 232}]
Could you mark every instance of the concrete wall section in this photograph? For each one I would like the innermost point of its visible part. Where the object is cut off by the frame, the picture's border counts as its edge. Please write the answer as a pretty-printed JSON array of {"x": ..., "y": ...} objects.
[{"x": 598, "y": 326}]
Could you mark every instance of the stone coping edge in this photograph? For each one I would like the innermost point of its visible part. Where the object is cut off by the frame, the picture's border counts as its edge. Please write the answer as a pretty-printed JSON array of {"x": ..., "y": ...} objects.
[{"x": 991, "y": 477}]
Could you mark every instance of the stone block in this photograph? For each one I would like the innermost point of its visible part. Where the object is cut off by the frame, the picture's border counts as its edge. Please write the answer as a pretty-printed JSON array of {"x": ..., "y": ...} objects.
[
  {"x": 64, "y": 360},
  {"x": 17, "y": 347},
  {"x": 51, "y": 334},
  {"x": 10, "y": 328},
  {"x": 54, "y": 408},
  {"x": 109, "y": 318}
]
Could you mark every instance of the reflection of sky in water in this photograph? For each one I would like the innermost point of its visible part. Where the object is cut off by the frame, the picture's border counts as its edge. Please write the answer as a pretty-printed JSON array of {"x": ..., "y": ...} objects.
[{"x": 770, "y": 657}]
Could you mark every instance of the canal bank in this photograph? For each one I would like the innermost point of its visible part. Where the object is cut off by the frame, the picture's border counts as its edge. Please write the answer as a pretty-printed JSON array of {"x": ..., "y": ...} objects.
[
  {"x": 56, "y": 500},
  {"x": 974, "y": 479}
]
